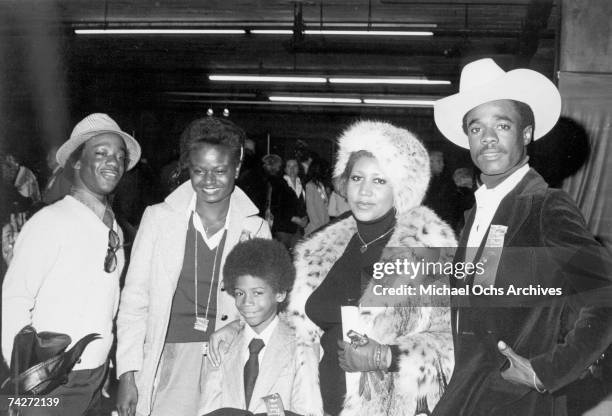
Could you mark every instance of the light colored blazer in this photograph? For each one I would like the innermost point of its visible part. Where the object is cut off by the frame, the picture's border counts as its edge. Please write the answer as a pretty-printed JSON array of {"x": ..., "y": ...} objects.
[
  {"x": 156, "y": 262},
  {"x": 287, "y": 368},
  {"x": 316, "y": 207}
]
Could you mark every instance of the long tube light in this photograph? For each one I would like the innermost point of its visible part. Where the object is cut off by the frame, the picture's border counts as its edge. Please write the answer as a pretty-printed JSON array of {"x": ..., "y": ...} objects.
[
  {"x": 406, "y": 81},
  {"x": 367, "y": 32},
  {"x": 387, "y": 25},
  {"x": 398, "y": 102},
  {"x": 297, "y": 99},
  {"x": 318, "y": 101},
  {"x": 271, "y": 32},
  {"x": 159, "y": 31},
  {"x": 342, "y": 32},
  {"x": 322, "y": 80},
  {"x": 266, "y": 78},
  {"x": 328, "y": 32}
]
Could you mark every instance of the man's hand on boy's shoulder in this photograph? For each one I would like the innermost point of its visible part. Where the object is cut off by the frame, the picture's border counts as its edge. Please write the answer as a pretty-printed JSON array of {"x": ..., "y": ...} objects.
[{"x": 221, "y": 340}]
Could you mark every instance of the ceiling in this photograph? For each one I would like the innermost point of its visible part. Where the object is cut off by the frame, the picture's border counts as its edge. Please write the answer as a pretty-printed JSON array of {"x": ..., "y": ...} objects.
[
  {"x": 169, "y": 73},
  {"x": 516, "y": 33}
]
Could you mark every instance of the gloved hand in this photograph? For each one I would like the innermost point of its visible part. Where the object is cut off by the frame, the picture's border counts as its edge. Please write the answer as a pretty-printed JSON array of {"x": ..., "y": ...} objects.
[{"x": 371, "y": 356}]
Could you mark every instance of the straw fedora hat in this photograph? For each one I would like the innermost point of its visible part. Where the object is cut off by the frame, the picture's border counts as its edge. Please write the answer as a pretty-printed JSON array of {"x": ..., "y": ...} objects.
[
  {"x": 483, "y": 81},
  {"x": 93, "y": 125}
]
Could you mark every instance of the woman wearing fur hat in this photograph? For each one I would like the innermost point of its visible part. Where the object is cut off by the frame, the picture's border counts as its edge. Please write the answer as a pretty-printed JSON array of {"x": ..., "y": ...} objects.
[{"x": 384, "y": 172}]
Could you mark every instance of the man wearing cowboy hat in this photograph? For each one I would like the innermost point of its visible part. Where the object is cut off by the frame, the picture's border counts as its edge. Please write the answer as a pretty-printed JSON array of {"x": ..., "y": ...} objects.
[
  {"x": 64, "y": 276},
  {"x": 525, "y": 352}
]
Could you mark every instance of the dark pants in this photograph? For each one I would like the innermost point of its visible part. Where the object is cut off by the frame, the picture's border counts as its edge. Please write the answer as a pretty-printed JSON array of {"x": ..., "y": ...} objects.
[{"x": 80, "y": 395}]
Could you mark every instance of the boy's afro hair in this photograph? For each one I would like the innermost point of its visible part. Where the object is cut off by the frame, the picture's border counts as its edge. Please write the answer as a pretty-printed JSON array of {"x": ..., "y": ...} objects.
[{"x": 268, "y": 260}]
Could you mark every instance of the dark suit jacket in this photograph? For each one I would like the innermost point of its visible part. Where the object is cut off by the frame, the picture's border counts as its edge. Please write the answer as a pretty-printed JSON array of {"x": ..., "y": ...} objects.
[
  {"x": 547, "y": 244},
  {"x": 284, "y": 205}
]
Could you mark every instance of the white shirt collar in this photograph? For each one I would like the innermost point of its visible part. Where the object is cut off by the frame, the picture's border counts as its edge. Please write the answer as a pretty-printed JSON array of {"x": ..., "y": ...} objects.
[
  {"x": 214, "y": 240},
  {"x": 485, "y": 195},
  {"x": 487, "y": 202},
  {"x": 265, "y": 335},
  {"x": 298, "y": 189}
]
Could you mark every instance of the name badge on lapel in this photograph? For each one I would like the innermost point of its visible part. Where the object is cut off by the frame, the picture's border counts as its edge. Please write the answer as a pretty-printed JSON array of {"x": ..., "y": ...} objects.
[
  {"x": 245, "y": 235},
  {"x": 496, "y": 236},
  {"x": 274, "y": 405},
  {"x": 491, "y": 255}
]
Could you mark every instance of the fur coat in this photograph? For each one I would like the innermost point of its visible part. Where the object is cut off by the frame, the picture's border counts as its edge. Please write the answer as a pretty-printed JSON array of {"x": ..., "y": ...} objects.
[{"x": 423, "y": 333}]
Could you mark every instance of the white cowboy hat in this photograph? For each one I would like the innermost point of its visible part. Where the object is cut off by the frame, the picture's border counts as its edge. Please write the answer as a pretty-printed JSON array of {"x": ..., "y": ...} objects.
[
  {"x": 483, "y": 81},
  {"x": 93, "y": 125}
]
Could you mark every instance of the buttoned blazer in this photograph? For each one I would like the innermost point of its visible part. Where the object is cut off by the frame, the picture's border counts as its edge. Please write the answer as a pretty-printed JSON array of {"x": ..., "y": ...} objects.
[{"x": 287, "y": 368}]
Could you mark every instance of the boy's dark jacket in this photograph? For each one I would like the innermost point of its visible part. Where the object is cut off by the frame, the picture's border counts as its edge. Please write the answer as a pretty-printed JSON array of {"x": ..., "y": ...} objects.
[{"x": 546, "y": 243}]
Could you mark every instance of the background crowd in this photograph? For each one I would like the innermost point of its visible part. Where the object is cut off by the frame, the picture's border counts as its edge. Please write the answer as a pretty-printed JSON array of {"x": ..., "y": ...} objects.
[{"x": 294, "y": 192}]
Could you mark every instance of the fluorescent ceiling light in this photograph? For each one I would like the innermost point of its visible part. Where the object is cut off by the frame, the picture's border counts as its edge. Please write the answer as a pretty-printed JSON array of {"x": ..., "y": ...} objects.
[
  {"x": 159, "y": 31},
  {"x": 318, "y": 102},
  {"x": 272, "y": 32},
  {"x": 316, "y": 99},
  {"x": 211, "y": 94},
  {"x": 367, "y": 32},
  {"x": 426, "y": 103},
  {"x": 407, "y": 81},
  {"x": 393, "y": 26},
  {"x": 322, "y": 80},
  {"x": 266, "y": 78}
]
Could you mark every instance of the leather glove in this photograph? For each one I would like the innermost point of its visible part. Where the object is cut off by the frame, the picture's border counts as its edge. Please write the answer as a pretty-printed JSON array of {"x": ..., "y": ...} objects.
[{"x": 371, "y": 356}]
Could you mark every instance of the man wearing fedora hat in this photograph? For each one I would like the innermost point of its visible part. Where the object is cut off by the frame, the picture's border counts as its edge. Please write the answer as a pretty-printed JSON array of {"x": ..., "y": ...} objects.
[
  {"x": 527, "y": 346},
  {"x": 64, "y": 275}
]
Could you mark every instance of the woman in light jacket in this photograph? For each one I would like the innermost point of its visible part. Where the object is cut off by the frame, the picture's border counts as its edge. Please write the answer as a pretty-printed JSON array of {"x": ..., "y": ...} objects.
[
  {"x": 173, "y": 299},
  {"x": 317, "y": 200}
]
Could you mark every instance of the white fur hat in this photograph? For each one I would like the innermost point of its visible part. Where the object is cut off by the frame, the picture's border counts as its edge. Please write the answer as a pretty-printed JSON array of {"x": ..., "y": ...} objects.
[
  {"x": 483, "y": 81},
  {"x": 399, "y": 153}
]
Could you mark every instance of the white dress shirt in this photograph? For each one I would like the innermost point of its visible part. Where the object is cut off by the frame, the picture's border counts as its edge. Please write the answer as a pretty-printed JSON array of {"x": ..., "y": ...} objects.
[
  {"x": 214, "y": 240},
  {"x": 487, "y": 202},
  {"x": 250, "y": 334},
  {"x": 298, "y": 188}
]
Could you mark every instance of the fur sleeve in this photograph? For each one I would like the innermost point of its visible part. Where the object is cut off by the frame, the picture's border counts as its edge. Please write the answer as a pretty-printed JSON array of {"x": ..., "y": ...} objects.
[
  {"x": 306, "y": 393},
  {"x": 419, "y": 326}
]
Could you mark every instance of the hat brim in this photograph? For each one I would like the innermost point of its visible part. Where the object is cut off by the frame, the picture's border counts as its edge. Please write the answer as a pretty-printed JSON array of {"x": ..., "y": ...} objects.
[
  {"x": 132, "y": 146},
  {"x": 524, "y": 85}
]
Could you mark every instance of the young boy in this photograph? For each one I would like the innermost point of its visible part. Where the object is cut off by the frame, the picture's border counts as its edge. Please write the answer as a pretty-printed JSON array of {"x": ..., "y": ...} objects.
[{"x": 264, "y": 358}]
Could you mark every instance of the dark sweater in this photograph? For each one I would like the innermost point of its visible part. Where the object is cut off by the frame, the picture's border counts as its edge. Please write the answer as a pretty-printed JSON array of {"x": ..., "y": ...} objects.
[
  {"x": 343, "y": 286},
  {"x": 182, "y": 314}
]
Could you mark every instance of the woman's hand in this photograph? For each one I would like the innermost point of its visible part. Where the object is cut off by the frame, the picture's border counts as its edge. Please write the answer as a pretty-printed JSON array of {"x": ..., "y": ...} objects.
[
  {"x": 127, "y": 395},
  {"x": 371, "y": 356},
  {"x": 220, "y": 341}
]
